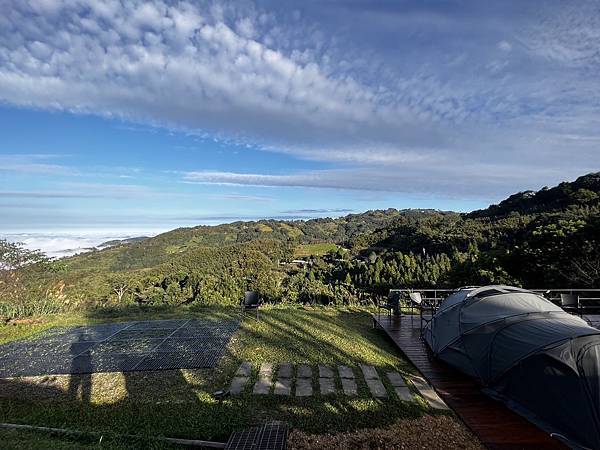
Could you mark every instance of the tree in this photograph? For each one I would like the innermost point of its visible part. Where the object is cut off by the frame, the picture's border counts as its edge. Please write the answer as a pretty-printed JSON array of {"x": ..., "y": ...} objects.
[
  {"x": 14, "y": 256},
  {"x": 23, "y": 286},
  {"x": 348, "y": 279},
  {"x": 120, "y": 289},
  {"x": 583, "y": 268}
]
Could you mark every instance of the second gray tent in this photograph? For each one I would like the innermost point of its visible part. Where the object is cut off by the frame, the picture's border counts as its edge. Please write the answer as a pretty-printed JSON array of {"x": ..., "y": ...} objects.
[{"x": 541, "y": 361}]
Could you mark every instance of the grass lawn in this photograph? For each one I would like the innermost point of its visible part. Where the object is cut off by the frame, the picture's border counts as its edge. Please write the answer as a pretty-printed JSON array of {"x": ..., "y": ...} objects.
[{"x": 179, "y": 403}]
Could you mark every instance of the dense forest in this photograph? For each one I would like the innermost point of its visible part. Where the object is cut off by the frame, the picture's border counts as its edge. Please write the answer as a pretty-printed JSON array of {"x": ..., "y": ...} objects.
[{"x": 549, "y": 238}]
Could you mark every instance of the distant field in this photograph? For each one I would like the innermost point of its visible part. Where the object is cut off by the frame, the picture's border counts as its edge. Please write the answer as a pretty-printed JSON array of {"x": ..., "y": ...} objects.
[
  {"x": 314, "y": 249},
  {"x": 179, "y": 403}
]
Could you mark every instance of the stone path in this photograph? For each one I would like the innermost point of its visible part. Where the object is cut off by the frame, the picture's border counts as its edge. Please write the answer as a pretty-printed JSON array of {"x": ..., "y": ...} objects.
[
  {"x": 428, "y": 393},
  {"x": 285, "y": 370},
  {"x": 325, "y": 372},
  {"x": 373, "y": 381},
  {"x": 327, "y": 386},
  {"x": 402, "y": 390},
  {"x": 304, "y": 371},
  {"x": 348, "y": 382},
  {"x": 326, "y": 382},
  {"x": 283, "y": 385},
  {"x": 265, "y": 374},
  {"x": 238, "y": 384},
  {"x": 304, "y": 381},
  {"x": 304, "y": 387},
  {"x": 241, "y": 378},
  {"x": 301, "y": 385}
]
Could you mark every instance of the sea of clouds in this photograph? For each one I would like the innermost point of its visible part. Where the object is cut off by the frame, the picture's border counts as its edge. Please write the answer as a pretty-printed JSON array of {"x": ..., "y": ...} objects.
[{"x": 58, "y": 244}]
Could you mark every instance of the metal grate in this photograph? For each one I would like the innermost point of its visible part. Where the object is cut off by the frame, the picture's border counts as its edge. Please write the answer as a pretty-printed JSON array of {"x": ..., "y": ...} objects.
[
  {"x": 127, "y": 346},
  {"x": 54, "y": 364},
  {"x": 186, "y": 345},
  {"x": 177, "y": 360},
  {"x": 121, "y": 346},
  {"x": 272, "y": 436},
  {"x": 109, "y": 362},
  {"x": 140, "y": 334},
  {"x": 165, "y": 324}
]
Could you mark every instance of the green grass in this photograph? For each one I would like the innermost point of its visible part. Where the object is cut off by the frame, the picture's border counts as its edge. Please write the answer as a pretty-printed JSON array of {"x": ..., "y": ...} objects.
[
  {"x": 314, "y": 249},
  {"x": 179, "y": 403}
]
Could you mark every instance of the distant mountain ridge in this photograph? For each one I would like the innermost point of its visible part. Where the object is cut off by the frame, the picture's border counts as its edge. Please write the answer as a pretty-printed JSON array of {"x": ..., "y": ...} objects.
[
  {"x": 585, "y": 190},
  {"x": 114, "y": 242},
  {"x": 548, "y": 238},
  {"x": 380, "y": 229}
]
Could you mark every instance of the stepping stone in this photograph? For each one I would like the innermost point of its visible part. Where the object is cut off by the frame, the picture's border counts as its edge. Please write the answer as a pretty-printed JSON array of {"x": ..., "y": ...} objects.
[
  {"x": 266, "y": 370},
  {"x": 345, "y": 372},
  {"x": 283, "y": 386},
  {"x": 262, "y": 386},
  {"x": 326, "y": 385},
  {"x": 285, "y": 371},
  {"x": 404, "y": 394},
  {"x": 304, "y": 371},
  {"x": 304, "y": 387},
  {"x": 377, "y": 388},
  {"x": 325, "y": 372},
  {"x": 238, "y": 385},
  {"x": 244, "y": 370},
  {"x": 369, "y": 372},
  {"x": 396, "y": 379},
  {"x": 427, "y": 392},
  {"x": 349, "y": 386}
]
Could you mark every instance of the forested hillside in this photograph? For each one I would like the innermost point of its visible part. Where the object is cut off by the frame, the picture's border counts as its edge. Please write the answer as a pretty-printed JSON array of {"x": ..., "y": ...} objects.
[{"x": 549, "y": 238}]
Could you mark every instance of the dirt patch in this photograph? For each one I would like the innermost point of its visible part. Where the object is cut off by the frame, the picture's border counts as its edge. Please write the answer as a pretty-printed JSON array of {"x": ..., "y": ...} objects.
[
  {"x": 28, "y": 321},
  {"x": 428, "y": 432}
]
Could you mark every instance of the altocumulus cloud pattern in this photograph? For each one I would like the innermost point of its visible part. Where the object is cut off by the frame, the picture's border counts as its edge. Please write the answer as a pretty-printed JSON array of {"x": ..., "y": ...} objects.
[{"x": 391, "y": 96}]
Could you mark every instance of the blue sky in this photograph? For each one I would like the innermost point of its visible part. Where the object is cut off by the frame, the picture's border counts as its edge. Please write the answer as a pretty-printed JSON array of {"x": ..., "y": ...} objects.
[{"x": 148, "y": 116}]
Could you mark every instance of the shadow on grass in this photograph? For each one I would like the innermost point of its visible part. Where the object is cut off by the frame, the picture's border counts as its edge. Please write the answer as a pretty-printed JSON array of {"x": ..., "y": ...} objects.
[
  {"x": 327, "y": 336},
  {"x": 178, "y": 403}
]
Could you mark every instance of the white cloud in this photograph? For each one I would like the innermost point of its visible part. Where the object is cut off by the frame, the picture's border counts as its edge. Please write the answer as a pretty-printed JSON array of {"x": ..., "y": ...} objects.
[
  {"x": 570, "y": 36},
  {"x": 318, "y": 211},
  {"x": 195, "y": 68},
  {"x": 48, "y": 194},
  {"x": 33, "y": 164},
  {"x": 118, "y": 191},
  {"x": 92, "y": 190},
  {"x": 290, "y": 84},
  {"x": 66, "y": 243},
  {"x": 240, "y": 197},
  {"x": 505, "y": 46},
  {"x": 452, "y": 181},
  {"x": 149, "y": 55}
]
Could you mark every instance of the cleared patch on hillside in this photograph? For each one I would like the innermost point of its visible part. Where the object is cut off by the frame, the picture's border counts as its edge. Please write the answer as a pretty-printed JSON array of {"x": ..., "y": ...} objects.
[{"x": 321, "y": 249}]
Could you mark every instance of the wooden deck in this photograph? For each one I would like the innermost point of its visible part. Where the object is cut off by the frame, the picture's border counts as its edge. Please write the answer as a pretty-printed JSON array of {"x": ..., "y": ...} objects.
[
  {"x": 491, "y": 421},
  {"x": 593, "y": 320}
]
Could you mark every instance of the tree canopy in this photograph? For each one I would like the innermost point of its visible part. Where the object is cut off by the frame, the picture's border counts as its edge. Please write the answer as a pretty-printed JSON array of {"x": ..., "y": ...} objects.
[{"x": 549, "y": 238}]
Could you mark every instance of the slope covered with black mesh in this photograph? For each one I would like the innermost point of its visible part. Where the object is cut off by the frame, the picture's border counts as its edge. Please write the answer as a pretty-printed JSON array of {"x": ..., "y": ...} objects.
[{"x": 122, "y": 347}]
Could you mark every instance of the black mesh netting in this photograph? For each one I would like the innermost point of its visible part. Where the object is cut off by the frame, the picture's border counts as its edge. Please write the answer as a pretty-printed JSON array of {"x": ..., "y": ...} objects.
[{"x": 122, "y": 347}]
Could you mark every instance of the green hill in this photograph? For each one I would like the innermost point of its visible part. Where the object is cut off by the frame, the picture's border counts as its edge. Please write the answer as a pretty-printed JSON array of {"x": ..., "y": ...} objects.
[
  {"x": 549, "y": 238},
  {"x": 585, "y": 191}
]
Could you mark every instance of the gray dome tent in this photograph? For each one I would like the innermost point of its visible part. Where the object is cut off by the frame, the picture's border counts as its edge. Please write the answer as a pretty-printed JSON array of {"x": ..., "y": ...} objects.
[{"x": 541, "y": 361}]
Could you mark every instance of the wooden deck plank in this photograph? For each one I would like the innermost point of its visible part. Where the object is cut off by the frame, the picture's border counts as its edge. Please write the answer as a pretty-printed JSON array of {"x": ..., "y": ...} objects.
[{"x": 498, "y": 427}]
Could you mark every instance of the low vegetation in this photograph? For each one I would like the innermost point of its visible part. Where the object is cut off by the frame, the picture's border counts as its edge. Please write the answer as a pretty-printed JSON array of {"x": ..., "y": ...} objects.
[
  {"x": 549, "y": 238},
  {"x": 180, "y": 403}
]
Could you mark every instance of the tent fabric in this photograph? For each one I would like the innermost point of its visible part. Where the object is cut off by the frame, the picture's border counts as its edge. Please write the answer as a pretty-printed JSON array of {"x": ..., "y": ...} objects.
[{"x": 528, "y": 352}]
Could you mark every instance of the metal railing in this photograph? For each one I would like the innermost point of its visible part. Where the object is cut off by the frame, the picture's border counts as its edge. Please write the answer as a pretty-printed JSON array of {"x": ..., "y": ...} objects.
[
  {"x": 583, "y": 293},
  {"x": 588, "y": 297}
]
